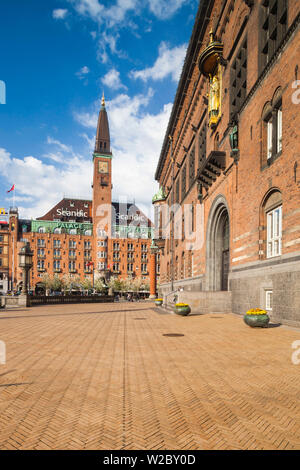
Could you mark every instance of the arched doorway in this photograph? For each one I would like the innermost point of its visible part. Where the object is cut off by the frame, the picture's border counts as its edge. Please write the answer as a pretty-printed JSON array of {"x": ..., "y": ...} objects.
[{"x": 218, "y": 246}]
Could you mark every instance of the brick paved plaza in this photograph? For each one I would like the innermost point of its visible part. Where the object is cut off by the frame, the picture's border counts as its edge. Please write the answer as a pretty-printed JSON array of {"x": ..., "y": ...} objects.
[{"x": 106, "y": 377}]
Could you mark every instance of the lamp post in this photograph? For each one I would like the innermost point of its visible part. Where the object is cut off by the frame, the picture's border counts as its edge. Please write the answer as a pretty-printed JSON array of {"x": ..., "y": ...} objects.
[
  {"x": 172, "y": 215},
  {"x": 25, "y": 262}
]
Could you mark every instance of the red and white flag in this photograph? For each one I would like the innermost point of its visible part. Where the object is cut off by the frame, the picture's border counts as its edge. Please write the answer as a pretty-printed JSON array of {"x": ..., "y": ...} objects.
[{"x": 11, "y": 189}]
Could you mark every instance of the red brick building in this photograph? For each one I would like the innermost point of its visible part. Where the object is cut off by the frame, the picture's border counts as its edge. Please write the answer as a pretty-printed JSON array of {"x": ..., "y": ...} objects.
[
  {"x": 78, "y": 236},
  {"x": 230, "y": 162}
]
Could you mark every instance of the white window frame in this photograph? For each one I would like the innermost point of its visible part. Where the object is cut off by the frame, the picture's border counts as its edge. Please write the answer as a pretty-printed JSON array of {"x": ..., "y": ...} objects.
[
  {"x": 279, "y": 130},
  {"x": 269, "y": 303},
  {"x": 274, "y": 232},
  {"x": 269, "y": 138}
]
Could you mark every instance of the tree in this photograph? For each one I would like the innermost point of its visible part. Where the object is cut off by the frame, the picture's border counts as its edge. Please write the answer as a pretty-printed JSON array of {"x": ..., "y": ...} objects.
[
  {"x": 86, "y": 283},
  {"x": 57, "y": 283},
  {"x": 47, "y": 282},
  {"x": 99, "y": 285},
  {"x": 115, "y": 284}
]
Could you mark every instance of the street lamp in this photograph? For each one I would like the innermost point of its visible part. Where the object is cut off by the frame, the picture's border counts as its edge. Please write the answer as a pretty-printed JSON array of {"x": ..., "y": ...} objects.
[{"x": 25, "y": 262}]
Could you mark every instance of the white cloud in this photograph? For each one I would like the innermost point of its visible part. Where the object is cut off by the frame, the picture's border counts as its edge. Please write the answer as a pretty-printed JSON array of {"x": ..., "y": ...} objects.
[
  {"x": 164, "y": 9},
  {"x": 137, "y": 138},
  {"x": 59, "y": 14},
  {"x": 168, "y": 63},
  {"x": 45, "y": 184},
  {"x": 65, "y": 148},
  {"x": 112, "y": 80},
  {"x": 114, "y": 17},
  {"x": 136, "y": 135},
  {"x": 83, "y": 72},
  {"x": 90, "y": 8}
]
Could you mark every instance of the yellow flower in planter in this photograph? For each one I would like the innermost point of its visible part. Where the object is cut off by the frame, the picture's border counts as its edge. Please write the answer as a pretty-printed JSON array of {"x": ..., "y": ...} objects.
[
  {"x": 257, "y": 311},
  {"x": 158, "y": 300},
  {"x": 182, "y": 305}
]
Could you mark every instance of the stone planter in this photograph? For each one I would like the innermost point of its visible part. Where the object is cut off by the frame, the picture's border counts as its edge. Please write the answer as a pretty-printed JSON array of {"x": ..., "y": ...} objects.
[
  {"x": 182, "y": 310},
  {"x": 158, "y": 303},
  {"x": 257, "y": 321}
]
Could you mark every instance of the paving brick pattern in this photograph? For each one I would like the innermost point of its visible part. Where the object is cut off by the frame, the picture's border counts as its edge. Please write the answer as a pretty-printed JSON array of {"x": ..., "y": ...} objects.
[{"x": 105, "y": 377}]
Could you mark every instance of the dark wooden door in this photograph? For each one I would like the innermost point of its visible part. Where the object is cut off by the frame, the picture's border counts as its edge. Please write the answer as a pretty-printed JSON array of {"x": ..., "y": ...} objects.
[{"x": 225, "y": 269}]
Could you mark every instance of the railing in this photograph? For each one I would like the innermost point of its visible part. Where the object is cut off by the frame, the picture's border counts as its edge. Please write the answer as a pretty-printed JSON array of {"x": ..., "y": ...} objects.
[
  {"x": 68, "y": 299},
  {"x": 175, "y": 296}
]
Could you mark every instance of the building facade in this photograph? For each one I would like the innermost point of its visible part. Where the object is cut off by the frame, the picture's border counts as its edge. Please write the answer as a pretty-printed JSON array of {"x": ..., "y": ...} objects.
[
  {"x": 229, "y": 164},
  {"x": 4, "y": 251},
  {"x": 81, "y": 238}
]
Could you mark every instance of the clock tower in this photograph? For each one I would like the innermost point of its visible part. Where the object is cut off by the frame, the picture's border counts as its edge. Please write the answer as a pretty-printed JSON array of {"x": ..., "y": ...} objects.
[{"x": 102, "y": 187}]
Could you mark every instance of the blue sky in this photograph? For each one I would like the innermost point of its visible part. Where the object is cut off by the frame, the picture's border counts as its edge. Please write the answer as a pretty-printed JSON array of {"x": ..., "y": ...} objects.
[{"x": 57, "y": 56}]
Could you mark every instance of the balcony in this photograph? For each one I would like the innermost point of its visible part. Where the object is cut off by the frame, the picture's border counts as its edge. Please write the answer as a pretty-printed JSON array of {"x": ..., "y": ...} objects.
[
  {"x": 57, "y": 270},
  {"x": 72, "y": 257},
  {"x": 210, "y": 170},
  {"x": 41, "y": 256},
  {"x": 41, "y": 270},
  {"x": 73, "y": 271}
]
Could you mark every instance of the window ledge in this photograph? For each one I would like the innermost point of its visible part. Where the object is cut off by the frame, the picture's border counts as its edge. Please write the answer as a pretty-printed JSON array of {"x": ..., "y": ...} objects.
[{"x": 271, "y": 160}]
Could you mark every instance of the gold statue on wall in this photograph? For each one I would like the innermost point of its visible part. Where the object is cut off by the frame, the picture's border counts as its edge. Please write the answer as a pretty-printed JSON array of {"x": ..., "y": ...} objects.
[
  {"x": 210, "y": 65},
  {"x": 214, "y": 96}
]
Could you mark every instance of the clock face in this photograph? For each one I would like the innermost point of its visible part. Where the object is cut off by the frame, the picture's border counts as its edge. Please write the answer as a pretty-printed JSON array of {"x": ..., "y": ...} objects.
[{"x": 103, "y": 167}]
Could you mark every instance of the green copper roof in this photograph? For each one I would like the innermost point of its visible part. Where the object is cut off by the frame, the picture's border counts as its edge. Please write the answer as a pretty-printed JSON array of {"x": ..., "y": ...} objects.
[{"x": 159, "y": 196}]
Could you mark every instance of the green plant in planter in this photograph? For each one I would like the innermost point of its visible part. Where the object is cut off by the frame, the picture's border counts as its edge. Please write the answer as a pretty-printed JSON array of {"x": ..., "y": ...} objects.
[
  {"x": 158, "y": 302},
  {"x": 257, "y": 318},
  {"x": 182, "y": 309}
]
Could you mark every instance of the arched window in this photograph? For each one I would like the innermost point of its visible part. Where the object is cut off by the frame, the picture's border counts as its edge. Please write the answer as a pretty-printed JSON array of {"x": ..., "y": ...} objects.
[
  {"x": 272, "y": 129},
  {"x": 272, "y": 223},
  {"x": 73, "y": 231},
  {"x": 41, "y": 230},
  {"x": 57, "y": 230},
  {"x": 88, "y": 232}
]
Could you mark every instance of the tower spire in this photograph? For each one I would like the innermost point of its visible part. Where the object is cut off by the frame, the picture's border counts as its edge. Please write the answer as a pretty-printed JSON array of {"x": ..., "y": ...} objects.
[{"x": 102, "y": 145}]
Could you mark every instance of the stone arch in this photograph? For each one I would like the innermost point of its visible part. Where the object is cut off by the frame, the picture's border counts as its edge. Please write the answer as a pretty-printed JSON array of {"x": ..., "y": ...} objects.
[{"x": 218, "y": 245}]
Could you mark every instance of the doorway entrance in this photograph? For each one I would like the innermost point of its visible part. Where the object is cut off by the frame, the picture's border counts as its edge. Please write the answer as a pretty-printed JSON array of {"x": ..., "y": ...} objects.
[{"x": 218, "y": 247}]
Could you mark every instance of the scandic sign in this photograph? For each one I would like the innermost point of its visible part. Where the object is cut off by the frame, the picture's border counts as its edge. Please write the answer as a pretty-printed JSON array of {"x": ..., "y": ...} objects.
[{"x": 77, "y": 213}]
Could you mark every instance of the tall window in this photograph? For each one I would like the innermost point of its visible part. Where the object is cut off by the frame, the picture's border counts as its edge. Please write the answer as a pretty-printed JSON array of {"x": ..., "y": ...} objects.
[
  {"x": 272, "y": 129},
  {"x": 274, "y": 232},
  {"x": 269, "y": 300},
  {"x": 269, "y": 138},
  {"x": 238, "y": 82},
  {"x": 279, "y": 129},
  {"x": 56, "y": 265},
  {"x": 273, "y": 26},
  {"x": 183, "y": 183},
  {"x": 202, "y": 144},
  {"x": 116, "y": 267},
  {"x": 192, "y": 167},
  {"x": 177, "y": 191},
  {"x": 129, "y": 267}
]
